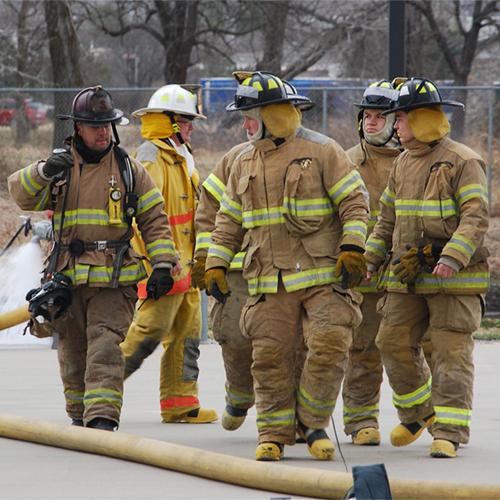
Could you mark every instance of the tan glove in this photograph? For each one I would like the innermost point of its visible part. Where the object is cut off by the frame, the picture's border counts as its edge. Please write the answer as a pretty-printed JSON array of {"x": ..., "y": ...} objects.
[
  {"x": 415, "y": 260},
  {"x": 216, "y": 283},
  {"x": 351, "y": 265},
  {"x": 198, "y": 273}
]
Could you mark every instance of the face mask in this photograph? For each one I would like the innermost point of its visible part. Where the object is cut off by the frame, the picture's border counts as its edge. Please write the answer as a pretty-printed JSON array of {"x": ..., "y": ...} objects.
[{"x": 384, "y": 135}]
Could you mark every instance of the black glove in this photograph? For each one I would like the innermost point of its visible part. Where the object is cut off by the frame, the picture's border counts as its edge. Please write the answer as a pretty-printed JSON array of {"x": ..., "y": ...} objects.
[
  {"x": 159, "y": 283},
  {"x": 57, "y": 162}
]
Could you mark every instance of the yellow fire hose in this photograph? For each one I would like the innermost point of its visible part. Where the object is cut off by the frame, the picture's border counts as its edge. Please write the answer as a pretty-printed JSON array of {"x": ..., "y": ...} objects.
[
  {"x": 14, "y": 317},
  {"x": 240, "y": 471}
]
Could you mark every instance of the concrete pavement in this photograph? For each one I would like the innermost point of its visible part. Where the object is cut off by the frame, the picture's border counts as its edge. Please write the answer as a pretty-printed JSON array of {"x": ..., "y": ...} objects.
[{"x": 30, "y": 387}]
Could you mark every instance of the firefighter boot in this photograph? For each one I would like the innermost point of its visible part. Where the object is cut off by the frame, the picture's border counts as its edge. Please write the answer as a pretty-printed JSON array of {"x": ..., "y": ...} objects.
[
  {"x": 442, "y": 448},
  {"x": 318, "y": 442},
  {"x": 369, "y": 436},
  {"x": 78, "y": 422},
  {"x": 405, "y": 434},
  {"x": 103, "y": 424},
  {"x": 196, "y": 416},
  {"x": 233, "y": 418},
  {"x": 269, "y": 452}
]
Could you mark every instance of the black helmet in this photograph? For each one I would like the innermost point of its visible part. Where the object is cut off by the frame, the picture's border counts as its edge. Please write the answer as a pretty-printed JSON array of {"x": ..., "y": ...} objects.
[
  {"x": 419, "y": 93},
  {"x": 299, "y": 101},
  {"x": 378, "y": 95},
  {"x": 259, "y": 89},
  {"x": 94, "y": 105}
]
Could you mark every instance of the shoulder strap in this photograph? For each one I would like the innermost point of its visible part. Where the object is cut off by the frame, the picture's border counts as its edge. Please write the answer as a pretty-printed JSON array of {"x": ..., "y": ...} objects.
[{"x": 126, "y": 170}]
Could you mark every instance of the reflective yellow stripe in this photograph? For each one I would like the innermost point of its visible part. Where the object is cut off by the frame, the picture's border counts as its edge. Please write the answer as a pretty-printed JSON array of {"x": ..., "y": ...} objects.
[
  {"x": 160, "y": 247},
  {"x": 388, "y": 197},
  {"x": 237, "y": 262},
  {"x": 276, "y": 418},
  {"x": 311, "y": 277},
  {"x": 103, "y": 396},
  {"x": 355, "y": 228},
  {"x": 237, "y": 398},
  {"x": 470, "y": 191},
  {"x": 427, "y": 208},
  {"x": 427, "y": 282},
  {"x": 85, "y": 217},
  {"x": 262, "y": 217},
  {"x": 221, "y": 252},
  {"x": 415, "y": 398},
  {"x": 28, "y": 182},
  {"x": 345, "y": 186},
  {"x": 214, "y": 186},
  {"x": 319, "y": 407},
  {"x": 263, "y": 284},
  {"x": 374, "y": 214},
  {"x": 308, "y": 207},
  {"x": 83, "y": 273},
  {"x": 376, "y": 246},
  {"x": 230, "y": 207},
  {"x": 453, "y": 416},
  {"x": 44, "y": 198},
  {"x": 462, "y": 245},
  {"x": 150, "y": 199},
  {"x": 73, "y": 397},
  {"x": 203, "y": 240},
  {"x": 359, "y": 413}
]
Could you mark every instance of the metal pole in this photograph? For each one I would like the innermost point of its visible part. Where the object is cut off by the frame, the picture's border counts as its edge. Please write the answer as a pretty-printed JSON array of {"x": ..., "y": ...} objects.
[
  {"x": 324, "y": 114},
  {"x": 491, "y": 110},
  {"x": 397, "y": 39}
]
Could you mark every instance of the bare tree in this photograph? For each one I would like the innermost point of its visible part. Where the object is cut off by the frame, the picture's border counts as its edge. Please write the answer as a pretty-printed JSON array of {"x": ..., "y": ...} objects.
[
  {"x": 65, "y": 57},
  {"x": 460, "y": 49}
]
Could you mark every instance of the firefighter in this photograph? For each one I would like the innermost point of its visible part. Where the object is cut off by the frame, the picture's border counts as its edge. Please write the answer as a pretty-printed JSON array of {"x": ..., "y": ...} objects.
[
  {"x": 434, "y": 216},
  {"x": 95, "y": 190},
  {"x": 299, "y": 211},
  {"x": 373, "y": 157},
  {"x": 225, "y": 317},
  {"x": 174, "y": 319}
]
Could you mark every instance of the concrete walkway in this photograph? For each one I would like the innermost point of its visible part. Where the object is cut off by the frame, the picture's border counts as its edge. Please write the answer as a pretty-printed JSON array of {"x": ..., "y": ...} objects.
[{"x": 30, "y": 387}]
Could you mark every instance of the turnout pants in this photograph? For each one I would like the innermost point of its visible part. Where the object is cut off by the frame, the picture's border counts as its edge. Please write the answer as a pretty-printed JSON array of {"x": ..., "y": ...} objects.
[
  {"x": 271, "y": 322},
  {"x": 450, "y": 321},
  {"x": 174, "y": 321},
  {"x": 90, "y": 360}
]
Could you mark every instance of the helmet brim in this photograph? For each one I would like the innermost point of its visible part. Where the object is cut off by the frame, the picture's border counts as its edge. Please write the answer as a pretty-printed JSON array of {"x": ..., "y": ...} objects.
[
  {"x": 409, "y": 107},
  {"x": 142, "y": 111},
  {"x": 302, "y": 102},
  {"x": 118, "y": 119}
]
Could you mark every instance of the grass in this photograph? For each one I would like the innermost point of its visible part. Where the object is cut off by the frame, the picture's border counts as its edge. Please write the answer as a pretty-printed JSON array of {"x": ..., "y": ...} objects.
[{"x": 489, "y": 329}]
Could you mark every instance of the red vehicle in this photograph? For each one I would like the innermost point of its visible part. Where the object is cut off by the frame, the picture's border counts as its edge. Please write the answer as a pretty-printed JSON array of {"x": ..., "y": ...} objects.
[{"x": 34, "y": 112}]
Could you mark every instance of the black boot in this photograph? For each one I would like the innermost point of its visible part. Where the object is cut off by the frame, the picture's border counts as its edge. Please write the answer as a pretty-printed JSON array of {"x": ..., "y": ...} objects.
[
  {"x": 78, "y": 422},
  {"x": 104, "y": 424}
]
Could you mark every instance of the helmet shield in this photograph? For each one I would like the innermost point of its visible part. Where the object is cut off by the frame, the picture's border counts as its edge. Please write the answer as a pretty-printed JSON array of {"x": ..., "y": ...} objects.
[{"x": 94, "y": 106}]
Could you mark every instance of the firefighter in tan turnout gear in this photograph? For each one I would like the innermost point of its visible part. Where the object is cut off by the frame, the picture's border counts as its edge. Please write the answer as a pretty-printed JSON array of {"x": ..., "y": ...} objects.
[
  {"x": 236, "y": 349},
  {"x": 373, "y": 157},
  {"x": 434, "y": 218},
  {"x": 173, "y": 319},
  {"x": 89, "y": 293},
  {"x": 297, "y": 208}
]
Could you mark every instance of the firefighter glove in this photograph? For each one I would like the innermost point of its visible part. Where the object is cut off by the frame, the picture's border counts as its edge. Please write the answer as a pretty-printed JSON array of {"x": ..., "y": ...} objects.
[
  {"x": 216, "y": 283},
  {"x": 57, "y": 162},
  {"x": 198, "y": 273},
  {"x": 160, "y": 282},
  {"x": 415, "y": 260},
  {"x": 351, "y": 265}
]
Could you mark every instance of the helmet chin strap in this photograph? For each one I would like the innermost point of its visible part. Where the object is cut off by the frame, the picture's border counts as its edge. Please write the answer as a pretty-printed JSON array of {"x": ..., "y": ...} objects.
[{"x": 115, "y": 133}]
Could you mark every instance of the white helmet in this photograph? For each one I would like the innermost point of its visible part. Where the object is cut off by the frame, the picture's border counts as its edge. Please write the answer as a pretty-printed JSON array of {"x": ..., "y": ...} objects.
[{"x": 172, "y": 98}]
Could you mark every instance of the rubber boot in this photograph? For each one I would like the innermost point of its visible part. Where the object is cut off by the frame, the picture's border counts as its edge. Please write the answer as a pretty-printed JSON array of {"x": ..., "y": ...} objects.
[
  {"x": 318, "y": 443},
  {"x": 233, "y": 418},
  {"x": 441, "y": 448},
  {"x": 269, "y": 452},
  {"x": 196, "y": 416},
  {"x": 78, "y": 422},
  {"x": 369, "y": 436},
  {"x": 103, "y": 424},
  {"x": 405, "y": 434}
]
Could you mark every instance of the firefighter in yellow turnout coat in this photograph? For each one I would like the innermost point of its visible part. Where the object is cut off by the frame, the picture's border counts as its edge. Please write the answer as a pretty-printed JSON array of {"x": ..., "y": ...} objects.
[
  {"x": 90, "y": 185},
  {"x": 373, "y": 157},
  {"x": 174, "y": 319},
  {"x": 434, "y": 218},
  {"x": 292, "y": 202}
]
